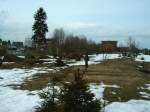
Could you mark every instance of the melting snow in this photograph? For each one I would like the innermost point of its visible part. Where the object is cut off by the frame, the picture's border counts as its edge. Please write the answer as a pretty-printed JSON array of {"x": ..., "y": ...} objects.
[
  {"x": 98, "y": 89},
  {"x": 130, "y": 106},
  {"x": 145, "y": 57},
  {"x": 95, "y": 59},
  {"x": 144, "y": 94},
  {"x": 20, "y": 101},
  {"x": 16, "y": 76},
  {"x": 148, "y": 86},
  {"x": 17, "y": 100}
]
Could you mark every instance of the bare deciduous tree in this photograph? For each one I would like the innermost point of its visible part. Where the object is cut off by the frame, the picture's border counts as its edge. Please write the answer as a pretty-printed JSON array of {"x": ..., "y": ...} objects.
[{"x": 132, "y": 44}]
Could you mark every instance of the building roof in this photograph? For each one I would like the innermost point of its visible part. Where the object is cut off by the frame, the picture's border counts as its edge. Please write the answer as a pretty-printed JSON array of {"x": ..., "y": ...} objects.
[{"x": 109, "y": 42}]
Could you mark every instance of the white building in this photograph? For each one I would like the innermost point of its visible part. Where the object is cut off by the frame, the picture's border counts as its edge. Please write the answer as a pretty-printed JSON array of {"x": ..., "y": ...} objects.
[{"x": 28, "y": 42}]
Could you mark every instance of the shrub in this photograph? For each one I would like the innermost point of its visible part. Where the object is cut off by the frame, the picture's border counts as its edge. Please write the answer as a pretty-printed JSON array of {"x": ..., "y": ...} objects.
[
  {"x": 76, "y": 97},
  {"x": 142, "y": 58},
  {"x": 59, "y": 62}
]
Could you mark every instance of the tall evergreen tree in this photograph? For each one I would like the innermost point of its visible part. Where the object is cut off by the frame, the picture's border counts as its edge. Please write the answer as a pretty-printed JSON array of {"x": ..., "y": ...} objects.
[
  {"x": 40, "y": 27},
  {"x": 77, "y": 97}
]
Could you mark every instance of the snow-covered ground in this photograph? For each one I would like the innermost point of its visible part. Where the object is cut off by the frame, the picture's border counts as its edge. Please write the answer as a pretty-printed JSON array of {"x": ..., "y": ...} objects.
[
  {"x": 145, "y": 91},
  {"x": 25, "y": 101},
  {"x": 130, "y": 106},
  {"x": 148, "y": 86},
  {"x": 98, "y": 89},
  {"x": 95, "y": 59},
  {"x": 144, "y": 94},
  {"x": 7, "y": 63},
  {"x": 49, "y": 60},
  {"x": 23, "y": 57},
  {"x": 16, "y": 76},
  {"x": 17, "y": 100},
  {"x": 144, "y": 58}
]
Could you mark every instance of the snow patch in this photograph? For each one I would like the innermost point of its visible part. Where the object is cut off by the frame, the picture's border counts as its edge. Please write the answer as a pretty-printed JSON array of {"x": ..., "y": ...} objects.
[
  {"x": 17, "y": 100},
  {"x": 144, "y": 94},
  {"x": 98, "y": 89},
  {"x": 17, "y": 76},
  {"x": 95, "y": 59},
  {"x": 7, "y": 63},
  {"x": 146, "y": 58},
  {"x": 148, "y": 86},
  {"x": 130, "y": 106}
]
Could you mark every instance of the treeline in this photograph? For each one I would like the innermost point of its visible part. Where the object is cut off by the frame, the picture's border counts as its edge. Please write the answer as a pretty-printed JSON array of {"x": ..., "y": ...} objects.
[
  {"x": 3, "y": 46},
  {"x": 71, "y": 46},
  {"x": 61, "y": 44},
  {"x": 5, "y": 43}
]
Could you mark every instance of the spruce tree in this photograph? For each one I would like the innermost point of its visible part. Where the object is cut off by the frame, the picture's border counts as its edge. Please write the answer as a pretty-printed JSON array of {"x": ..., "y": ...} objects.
[
  {"x": 40, "y": 27},
  {"x": 50, "y": 98},
  {"x": 77, "y": 98}
]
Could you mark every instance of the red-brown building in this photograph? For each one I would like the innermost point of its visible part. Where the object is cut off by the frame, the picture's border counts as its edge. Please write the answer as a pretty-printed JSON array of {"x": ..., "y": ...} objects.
[{"x": 108, "y": 46}]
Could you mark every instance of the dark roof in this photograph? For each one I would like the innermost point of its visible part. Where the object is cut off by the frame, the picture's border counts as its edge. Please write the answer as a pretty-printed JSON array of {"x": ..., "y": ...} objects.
[
  {"x": 17, "y": 44},
  {"x": 109, "y": 42}
]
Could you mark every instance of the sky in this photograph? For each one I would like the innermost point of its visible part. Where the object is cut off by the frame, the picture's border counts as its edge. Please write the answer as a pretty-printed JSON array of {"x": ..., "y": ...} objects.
[{"x": 96, "y": 19}]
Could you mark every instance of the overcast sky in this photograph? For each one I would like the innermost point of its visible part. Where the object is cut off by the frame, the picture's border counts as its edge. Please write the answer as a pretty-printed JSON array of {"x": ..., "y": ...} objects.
[{"x": 96, "y": 19}]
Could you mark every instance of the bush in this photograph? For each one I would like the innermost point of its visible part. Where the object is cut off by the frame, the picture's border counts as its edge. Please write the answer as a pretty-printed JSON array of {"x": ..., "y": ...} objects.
[
  {"x": 34, "y": 56},
  {"x": 31, "y": 59},
  {"x": 76, "y": 56},
  {"x": 3, "y": 50},
  {"x": 50, "y": 99},
  {"x": 59, "y": 62},
  {"x": 71, "y": 97},
  {"x": 1, "y": 61},
  {"x": 142, "y": 58},
  {"x": 12, "y": 58},
  {"x": 76, "y": 97}
]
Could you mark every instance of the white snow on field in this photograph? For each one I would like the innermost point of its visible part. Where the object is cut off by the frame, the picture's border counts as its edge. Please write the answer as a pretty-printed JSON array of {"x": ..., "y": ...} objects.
[
  {"x": 145, "y": 91},
  {"x": 7, "y": 63},
  {"x": 22, "y": 101},
  {"x": 48, "y": 60},
  {"x": 148, "y": 86},
  {"x": 109, "y": 86},
  {"x": 145, "y": 94},
  {"x": 17, "y": 100},
  {"x": 23, "y": 57},
  {"x": 95, "y": 59},
  {"x": 130, "y": 106},
  {"x": 16, "y": 76},
  {"x": 145, "y": 57},
  {"x": 98, "y": 89}
]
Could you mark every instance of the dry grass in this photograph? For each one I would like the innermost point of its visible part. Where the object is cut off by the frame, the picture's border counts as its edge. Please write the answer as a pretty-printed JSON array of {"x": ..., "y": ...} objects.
[{"x": 122, "y": 72}]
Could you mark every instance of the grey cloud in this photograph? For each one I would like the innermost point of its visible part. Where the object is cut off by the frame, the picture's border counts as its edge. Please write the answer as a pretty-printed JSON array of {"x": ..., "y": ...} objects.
[{"x": 3, "y": 15}]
